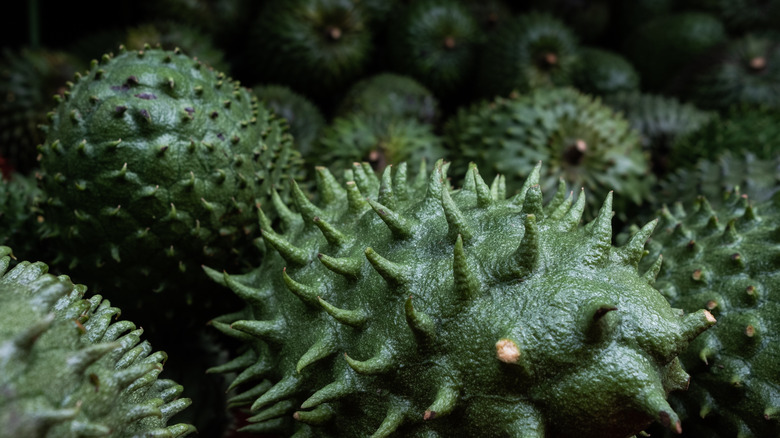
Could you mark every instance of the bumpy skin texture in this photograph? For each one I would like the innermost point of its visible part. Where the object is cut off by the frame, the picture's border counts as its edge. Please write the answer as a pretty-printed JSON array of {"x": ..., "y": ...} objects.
[
  {"x": 726, "y": 260},
  {"x": 304, "y": 118},
  {"x": 531, "y": 51},
  {"x": 747, "y": 72},
  {"x": 316, "y": 47},
  {"x": 604, "y": 72},
  {"x": 18, "y": 226},
  {"x": 581, "y": 140},
  {"x": 379, "y": 140},
  {"x": 435, "y": 42},
  {"x": 170, "y": 35},
  {"x": 67, "y": 370},
  {"x": 406, "y": 309},
  {"x": 153, "y": 165},
  {"x": 389, "y": 95}
]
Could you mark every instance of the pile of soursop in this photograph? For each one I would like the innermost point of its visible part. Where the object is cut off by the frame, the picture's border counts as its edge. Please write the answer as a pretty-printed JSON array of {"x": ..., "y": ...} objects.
[{"x": 388, "y": 218}]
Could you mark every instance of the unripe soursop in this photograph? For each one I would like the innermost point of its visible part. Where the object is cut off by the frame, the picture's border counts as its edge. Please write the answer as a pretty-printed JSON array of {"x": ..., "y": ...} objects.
[
  {"x": 153, "y": 165},
  {"x": 414, "y": 310},
  {"x": 68, "y": 370}
]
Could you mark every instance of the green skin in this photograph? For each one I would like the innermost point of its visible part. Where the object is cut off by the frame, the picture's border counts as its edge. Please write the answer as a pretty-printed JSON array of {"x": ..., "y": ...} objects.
[
  {"x": 67, "y": 370},
  {"x": 406, "y": 309},
  {"x": 153, "y": 165},
  {"x": 603, "y": 72},
  {"x": 389, "y": 95},
  {"x": 581, "y": 140},
  {"x": 726, "y": 260}
]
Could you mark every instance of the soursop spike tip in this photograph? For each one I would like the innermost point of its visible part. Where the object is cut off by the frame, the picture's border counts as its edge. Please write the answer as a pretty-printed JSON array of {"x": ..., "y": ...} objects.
[
  {"x": 398, "y": 225},
  {"x": 322, "y": 348},
  {"x": 484, "y": 197},
  {"x": 632, "y": 252},
  {"x": 332, "y": 235},
  {"x": 356, "y": 203},
  {"x": 386, "y": 196},
  {"x": 395, "y": 417},
  {"x": 269, "y": 330},
  {"x": 354, "y": 318},
  {"x": 532, "y": 202},
  {"x": 525, "y": 259},
  {"x": 328, "y": 187},
  {"x": 318, "y": 416},
  {"x": 291, "y": 253},
  {"x": 421, "y": 324},
  {"x": 345, "y": 266},
  {"x": 467, "y": 284},
  {"x": 283, "y": 389},
  {"x": 458, "y": 225},
  {"x": 380, "y": 364},
  {"x": 573, "y": 217},
  {"x": 307, "y": 294},
  {"x": 394, "y": 273},
  {"x": 445, "y": 401},
  {"x": 275, "y": 411},
  {"x": 305, "y": 207},
  {"x": 601, "y": 235},
  {"x": 332, "y": 391}
]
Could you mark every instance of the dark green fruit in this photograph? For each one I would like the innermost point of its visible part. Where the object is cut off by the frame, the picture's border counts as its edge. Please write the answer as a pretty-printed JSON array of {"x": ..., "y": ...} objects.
[
  {"x": 603, "y": 72},
  {"x": 316, "y": 47},
  {"x": 531, "y": 51},
  {"x": 660, "y": 48},
  {"x": 19, "y": 196},
  {"x": 377, "y": 140},
  {"x": 743, "y": 15},
  {"x": 304, "y": 118},
  {"x": 152, "y": 166},
  {"x": 726, "y": 260},
  {"x": 171, "y": 35},
  {"x": 581, "y": 140},
  {"x": 747, "y": 72},
  {"x": 409, "y": 309},
  {"x": 389, "y": 96},
  {"x": 69, "y": 370},
  {"x": 588, "y": 18},
  {"x": 435, "y": 42}
]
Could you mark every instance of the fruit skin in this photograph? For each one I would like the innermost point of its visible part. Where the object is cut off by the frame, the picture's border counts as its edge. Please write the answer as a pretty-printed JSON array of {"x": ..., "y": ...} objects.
[
  {"x": 389, "y": 95},
  {"x": 153, "y": 165},
  {"x": 581, "y": 140},
  {"x": 532, "y": 50},
  {"x": 403, "y": 309},
  {"x": 603, "y": 72},
  {"x": 726, "y": 260},
  {"x": 19, "y": 195},
  {"x": 67, "y": 370}
]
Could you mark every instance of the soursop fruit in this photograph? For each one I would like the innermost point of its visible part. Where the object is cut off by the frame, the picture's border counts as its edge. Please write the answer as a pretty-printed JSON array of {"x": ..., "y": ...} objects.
[
  {"x": 152, "y": 166},
  {"x": 582, "y": 141},
  {"x": 68, "y": 370},
  {"x": 411, "y": 309},
  {"x": 19, "y": 196},
  {"x": 726, "y": 260},
  {"x": 604, "y": 72}
]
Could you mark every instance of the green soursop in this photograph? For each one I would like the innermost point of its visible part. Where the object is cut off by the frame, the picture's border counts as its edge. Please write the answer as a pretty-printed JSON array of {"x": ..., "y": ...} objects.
[
  {"x": 19, "y": 196},
  {"x": 390, "y": 95},
  {"x": 582, "y": 141},
  {"x": 153, "y": 165},
  {"x": 410, "y": 309},
  {"x": 68, "y": 370},
  {"x": 726, "y": 260}
]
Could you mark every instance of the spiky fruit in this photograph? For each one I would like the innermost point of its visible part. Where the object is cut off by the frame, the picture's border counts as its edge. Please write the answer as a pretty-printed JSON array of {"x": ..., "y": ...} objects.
[
  {"x": 170, "y": 35},
  {"x": 726, "y": 260},
  {"x": 530, "y": 51},
  {"x": 604, "y": 72},
  {"x": 660, "y": 48},
  {"x": 28, "y": 80},
  {"x": 68, "y": 371},
  {"x": 435, "y": 42},
  {"x": 747, "y": 72},
  {"x": 18, "y": 213},
  {"x": 304, "y": 118},
  {"x": 153, "y": 165},
  {"x": 377, "y": 140},
  {"x": 315, "y": 47},
  {"x": 581, "y": 140},
  {"x": 406, "y": 309},
  {"x": 390, "y": 95}
]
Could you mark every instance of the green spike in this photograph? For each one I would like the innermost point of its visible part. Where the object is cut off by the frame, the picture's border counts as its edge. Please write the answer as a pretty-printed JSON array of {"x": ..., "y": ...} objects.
[
  {"x": 399, "y": 183},
  {"x": 573, "y": 217},
  {"x": 332, "y": 391},
  {"x": 307, "y": 294},
  {"x": 26, "y": 339},
  {"x": 559, "y": 198},
  {"x": 633, "y": 251},
  {"x": 676, "y": 377},
  {"x": 322, "y": 348},
  {"x": 332, "y": 235},
  {"x": 250, "y": 294},
  {"x": 149, "y": 408},
  {"x": 458, "y": 226},
  {"x": 652, "y": 272},
  {"x": 355, "y": 201},
  {"x": 304, "y": 206},
  {"x": 525, "y": 259},
  {"x": 235, "y": 365},
  {"x": 693, "y": 324},
  {"x": 469, "y": 183},
  {"x": 345, "y": 266},
  {"x": 601, "y": 235},
  {"x": 277, "y": 410},
  {"x": 730, "y": 234},
  {"x": 396, "y": 415},
  {"x": 445, "y": 401},
  {"x": 399, "y": 226},
  {"x": 560, "y": 211},
  {"x": 435, "y": 182},
  {"x": 380, "y": 364},
  {"x": 253, "y": 372},
  {"x": 422, "y": 174},
  {"x": 250, "y": 395},
  {"x": 319, "y": 415},
  {"x": 656, "y": 406},
  {"x": 386, "y": 196},
  {"x": 286, "y": 216},
  {"x": 270, "y": 330},
  {"x": 328, "y": 187},
  {"x": 281, "y": 390},
  {"x": 532, "y": 204},
  {"x": 288, "y": 251},
  {"x": 532, "y": 180},
  {"x": 82, "y": 359},
  {"x": 123, "y": 378},
  {"x": 421, "y": 324},
  {"x": 484, "y": 197},
  {"x": 354, "y": 318},
  {"x": 393, "y": 273},
  {"x": 365, "y": 179},
  {"x": 466, "y": 282}
]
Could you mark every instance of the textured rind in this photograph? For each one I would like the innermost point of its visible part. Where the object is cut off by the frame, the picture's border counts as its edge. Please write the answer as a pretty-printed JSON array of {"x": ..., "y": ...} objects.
[
  {"x": 18, "y": 225},
  {"x": 604, "y": 72},
  {"x": 390, "y": 96},
  {"x": 170, "y": 35},
  {"x": 435, "y": 42},
  {"x": 304, "y": 118},
  {"x": 726, "y": 260},
  {"x": 397, "y": 308},
  {"x": 509, "y": 135},
  {"x": 533, "y": 50},
  {"x": 67, "y": 370},
  {"x": 153, "y": 165}
]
